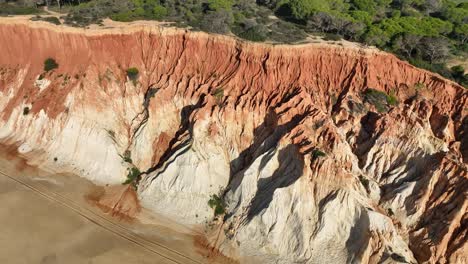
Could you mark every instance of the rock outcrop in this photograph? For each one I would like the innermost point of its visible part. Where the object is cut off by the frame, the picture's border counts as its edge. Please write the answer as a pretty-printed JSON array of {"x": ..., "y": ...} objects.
[{"x": 321, "y": 153}]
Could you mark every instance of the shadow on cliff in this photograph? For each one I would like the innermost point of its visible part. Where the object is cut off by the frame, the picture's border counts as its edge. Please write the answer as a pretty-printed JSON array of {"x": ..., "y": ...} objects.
[
  {"x": 266, "y": 138},
  {"x": 358, "y": 239},
  {"x": 181, "y": 140},
  {"x": 291, "y": 165},
  {"x": 367, "y": 136}
]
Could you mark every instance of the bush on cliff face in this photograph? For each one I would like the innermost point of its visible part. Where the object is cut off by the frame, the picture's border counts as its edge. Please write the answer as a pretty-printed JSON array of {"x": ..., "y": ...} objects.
[
  {"x": 392, "y": 99},
  {"x": 380, "y": 99},
  {"x": 26, "y": 110},
  {"x": 364, "y": 182},
  {"x": 132, "y": 176},
  {"x": 217, "y": 204},
  {"x": 317, "y": 153},
  {"x": 50, "y": 64},
  {"x": 127, "y": 156},
  {"x": 218, "y": 94},
  {"x": 132, "y": 73}
]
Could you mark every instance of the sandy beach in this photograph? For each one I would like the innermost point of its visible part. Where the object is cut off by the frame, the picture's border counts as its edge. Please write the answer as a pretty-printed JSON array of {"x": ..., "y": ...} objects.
[{"x": 46, "y": 219}]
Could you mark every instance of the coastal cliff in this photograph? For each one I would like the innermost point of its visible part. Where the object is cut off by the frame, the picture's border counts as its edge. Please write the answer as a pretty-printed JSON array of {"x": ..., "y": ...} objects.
[{"x": 322, "y": 153}]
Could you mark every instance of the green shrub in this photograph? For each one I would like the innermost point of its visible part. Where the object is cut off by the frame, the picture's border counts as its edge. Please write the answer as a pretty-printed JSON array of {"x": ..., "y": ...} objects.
[
  {"x": 132, "y": 73},
  {"x": 122, "y": 17},
  {"x": 50, "y": 64},
  {"x": 256, "y": 33},
  {"x": 439, "y": 68},
  {"x": 12, "y": 9},
  {"x": 390, "y": 212},
  {"x": 217, "y": 204},
  {"x": 392, "y": 99},
  {"x": 316, "y": 153},
  {"x": 127, "y": 156},
  {"x": 457, "y": 70},
  {"x": 380, "y": 99},
  {"x": 220, "y": 4},
  {"x": 218, "y": 94},
  {"x": 376, "y": 98},
  {"x": 364, "y": 182},
  {"x": 132, "y": 176},
  {"x": 332, "y": 37},
  {"x": 285, "y": 32},
  {"x": 111, "y": 133},
  {"x": 26, "y": 110},
  {"x": 159, "y": 12},
  {"x": 419, "y": 86},
  {"x": 52, "y": 20},
  {"x": 458, "y": 73}
]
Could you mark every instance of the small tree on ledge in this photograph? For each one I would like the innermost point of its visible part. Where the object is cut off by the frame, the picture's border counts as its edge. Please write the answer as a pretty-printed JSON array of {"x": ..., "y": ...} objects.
[
  {"x": 132, "y": 73},
  {"x": 50, "y": 64}
]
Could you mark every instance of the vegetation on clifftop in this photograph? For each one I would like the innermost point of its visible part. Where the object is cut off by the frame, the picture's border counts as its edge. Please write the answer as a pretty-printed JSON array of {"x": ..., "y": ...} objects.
[
  {"x": 427, "y": 33},
  {"x": 7, "y": 8}
]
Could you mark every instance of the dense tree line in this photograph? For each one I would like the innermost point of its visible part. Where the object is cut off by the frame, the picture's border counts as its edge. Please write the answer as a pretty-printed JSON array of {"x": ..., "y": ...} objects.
[{"x": 425, "y": 32}]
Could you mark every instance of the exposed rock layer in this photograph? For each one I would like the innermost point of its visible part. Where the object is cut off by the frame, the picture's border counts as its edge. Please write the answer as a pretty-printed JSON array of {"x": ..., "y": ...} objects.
[{"x": 309, "y": 169}]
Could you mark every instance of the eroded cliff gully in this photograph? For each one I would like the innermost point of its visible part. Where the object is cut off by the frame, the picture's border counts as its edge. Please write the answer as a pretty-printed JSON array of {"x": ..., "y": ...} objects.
[{"x": 313, "y": 166}]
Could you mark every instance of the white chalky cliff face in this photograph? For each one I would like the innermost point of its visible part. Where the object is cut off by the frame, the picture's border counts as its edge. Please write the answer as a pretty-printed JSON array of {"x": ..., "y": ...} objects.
[{"x": 313, "y": 162}]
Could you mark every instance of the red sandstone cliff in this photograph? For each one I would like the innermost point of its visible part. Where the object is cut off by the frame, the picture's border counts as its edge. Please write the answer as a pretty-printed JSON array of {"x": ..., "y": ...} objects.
[{"x": 209, "y": 112}]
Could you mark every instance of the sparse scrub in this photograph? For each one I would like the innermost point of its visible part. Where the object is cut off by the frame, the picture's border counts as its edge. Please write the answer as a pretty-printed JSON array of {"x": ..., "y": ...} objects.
[
  {"x": 255, "y": 33},
  {"x": 50, "y": 64},
  {"x": 285, "y": 32},
  {"x": 111, "y": 134}
]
